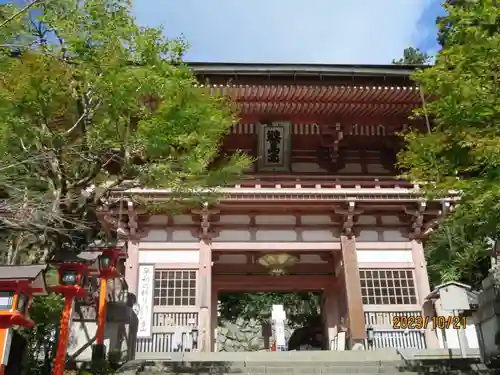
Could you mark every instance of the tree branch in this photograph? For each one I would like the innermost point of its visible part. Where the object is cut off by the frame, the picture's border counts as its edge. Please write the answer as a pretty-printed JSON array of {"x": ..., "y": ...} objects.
[{"x": 11, "y": 18}]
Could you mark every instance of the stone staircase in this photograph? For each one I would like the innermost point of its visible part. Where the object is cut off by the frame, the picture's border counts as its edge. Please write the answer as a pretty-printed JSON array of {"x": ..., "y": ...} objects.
[{"x": 380, "y": 361}]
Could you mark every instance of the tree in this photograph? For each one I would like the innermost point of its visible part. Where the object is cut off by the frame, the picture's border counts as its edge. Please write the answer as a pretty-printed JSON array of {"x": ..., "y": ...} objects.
[
  {"x": 41, "y": 340},
  {"x": 88, "y": 101},
  {"x": 460, "y": 153},
  {"x": 413, "y": 56},
  {"x": 301, "y": 308},
  {"x": 455, "y": 254}
]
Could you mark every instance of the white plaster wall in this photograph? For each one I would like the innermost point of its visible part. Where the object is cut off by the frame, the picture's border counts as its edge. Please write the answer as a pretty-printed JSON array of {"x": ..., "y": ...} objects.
[
  {"x": 233, "y": 236},
  {"x": 389, "y": 256},
  {"x": 234, "y": 219},
  {"x": 164, "y": 235},
  {"x": 183, "y": 220},
  {"x": 180, "y": 235},
  {"x": 158, "y": 220},
  {"x": 367, "y": 220},
  {"x": 387, "y": 235},
  {"x": 366, "y": 235},
  {"x": 276, "y": 235},
  {"x": 394, "y": 235},
  {"x": 155, "y": 235},
  {"x": 390, "y": 219},
  {"x": 315, "y": 219},
  {"x": 275, "y": 220},
  {"x": 169, "y": 256},
  {"x": 319, "y": 236}
]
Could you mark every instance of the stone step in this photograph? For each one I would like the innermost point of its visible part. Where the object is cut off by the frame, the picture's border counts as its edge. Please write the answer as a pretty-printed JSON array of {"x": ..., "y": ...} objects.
[
  {"x": 379, "y": 361},
  {"x": 298, "y": 368}
]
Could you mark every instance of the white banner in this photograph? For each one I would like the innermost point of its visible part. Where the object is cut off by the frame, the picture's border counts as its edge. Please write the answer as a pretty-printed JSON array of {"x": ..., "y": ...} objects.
[{"x": 145, "y": 300}]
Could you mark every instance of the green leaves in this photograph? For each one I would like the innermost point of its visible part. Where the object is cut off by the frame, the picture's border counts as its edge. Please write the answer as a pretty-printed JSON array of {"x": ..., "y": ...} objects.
[
  {"x": 90, "y": 97},
  {"x": 413, "y": 56},
  {"x": 461, "y": 152}
]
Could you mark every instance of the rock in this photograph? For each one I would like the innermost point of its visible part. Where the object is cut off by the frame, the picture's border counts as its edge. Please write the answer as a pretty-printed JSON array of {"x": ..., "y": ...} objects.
[{"x": 243, "y": 335}]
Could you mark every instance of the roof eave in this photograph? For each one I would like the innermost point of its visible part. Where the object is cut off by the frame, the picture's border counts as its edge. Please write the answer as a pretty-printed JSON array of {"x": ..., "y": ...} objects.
[{"x": 304, "y": 69}]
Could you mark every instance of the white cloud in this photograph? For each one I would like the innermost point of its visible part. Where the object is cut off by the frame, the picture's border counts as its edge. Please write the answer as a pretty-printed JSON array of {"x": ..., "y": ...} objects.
[{"x": 307, "y": 31}]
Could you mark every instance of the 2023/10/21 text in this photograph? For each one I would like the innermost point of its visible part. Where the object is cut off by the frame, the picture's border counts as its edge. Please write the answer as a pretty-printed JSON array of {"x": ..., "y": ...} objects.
[{"x": 432, "y": 322}]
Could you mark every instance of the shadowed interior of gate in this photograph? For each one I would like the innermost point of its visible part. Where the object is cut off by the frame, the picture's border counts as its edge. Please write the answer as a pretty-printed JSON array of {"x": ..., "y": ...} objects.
[{"x": 245, "y": 321}]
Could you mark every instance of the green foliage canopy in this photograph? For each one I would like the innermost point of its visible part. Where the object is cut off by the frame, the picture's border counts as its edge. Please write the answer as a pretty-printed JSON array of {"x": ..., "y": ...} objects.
[
  {"x": 413, "y": 56},
  {"x": 42, "y": 339},
  {"x": 88, "y": 100},
  {"x": 461, "y": 152}
]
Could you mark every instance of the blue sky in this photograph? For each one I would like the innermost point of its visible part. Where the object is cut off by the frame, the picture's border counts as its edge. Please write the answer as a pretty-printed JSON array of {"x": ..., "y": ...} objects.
[{"x": 296, "y": 31}]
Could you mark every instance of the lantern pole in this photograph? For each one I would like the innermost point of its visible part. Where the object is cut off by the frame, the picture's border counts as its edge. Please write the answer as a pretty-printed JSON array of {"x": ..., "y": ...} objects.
[
  {"x": 99, "y": 351},
  {"x": 72, "y": 276},
  {"x": 60, "y": 359},
  {"x": 107, "y": 270},
  {"x": 5, "y": 341},
  {"x": 16, "y": 295}
]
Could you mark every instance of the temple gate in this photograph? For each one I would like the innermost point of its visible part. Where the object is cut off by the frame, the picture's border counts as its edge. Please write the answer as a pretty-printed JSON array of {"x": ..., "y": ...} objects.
[{"x": 324, "y": 189}]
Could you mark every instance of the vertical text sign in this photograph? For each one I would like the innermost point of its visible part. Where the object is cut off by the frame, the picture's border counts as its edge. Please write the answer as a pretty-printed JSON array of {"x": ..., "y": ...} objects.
[{"x": 145, "y": 300}]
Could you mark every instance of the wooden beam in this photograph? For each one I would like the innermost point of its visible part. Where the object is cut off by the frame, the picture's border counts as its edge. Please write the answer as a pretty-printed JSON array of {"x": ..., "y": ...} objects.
[
  {"x": 309, "y": 268},
  {"x": 289, "y": 283}
]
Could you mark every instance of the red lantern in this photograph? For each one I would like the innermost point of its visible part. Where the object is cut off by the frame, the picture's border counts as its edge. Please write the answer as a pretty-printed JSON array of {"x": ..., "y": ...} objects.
[
  {"x": 108, "y": 269},
  {"x": 72, "y": 279}
]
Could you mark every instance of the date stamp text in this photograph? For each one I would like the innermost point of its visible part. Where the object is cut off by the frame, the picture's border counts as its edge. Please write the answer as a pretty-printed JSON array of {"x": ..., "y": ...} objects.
[{"x": 426, "y": 322}]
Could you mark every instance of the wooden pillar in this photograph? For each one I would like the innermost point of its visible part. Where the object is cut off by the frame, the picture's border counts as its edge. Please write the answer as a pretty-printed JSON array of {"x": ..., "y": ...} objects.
[
  {"x": 213, "y": 319},
  {"x": 331, "y": 317},
  {"x": 356, "y": 319},
  {"x": 423, "y": 289},
  {"x": 132, "y": 266},
  {"x": 205, "y": 299}
]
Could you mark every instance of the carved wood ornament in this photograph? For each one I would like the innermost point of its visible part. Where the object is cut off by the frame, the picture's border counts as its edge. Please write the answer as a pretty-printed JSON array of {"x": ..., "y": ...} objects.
[
  {"x": 417, "y": 219},
  {"x": 205, "y": 213},
  {"x": 350, "y": 216},
  {"x": 329, "y": 139},
  {"x": 124, "y": 223}
]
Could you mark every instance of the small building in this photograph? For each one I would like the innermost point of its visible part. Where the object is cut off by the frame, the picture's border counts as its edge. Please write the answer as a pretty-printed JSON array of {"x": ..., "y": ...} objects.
[
  {"x": 323, "y": 198},
  {"x": 453, "y": 321}
]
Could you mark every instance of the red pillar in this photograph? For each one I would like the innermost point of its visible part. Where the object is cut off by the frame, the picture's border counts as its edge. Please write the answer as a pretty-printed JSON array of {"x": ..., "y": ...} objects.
[
  {"x": 5, "y": 340},
  {"x": 60, "y": 360},
  {"x": 101, "y": 317}
]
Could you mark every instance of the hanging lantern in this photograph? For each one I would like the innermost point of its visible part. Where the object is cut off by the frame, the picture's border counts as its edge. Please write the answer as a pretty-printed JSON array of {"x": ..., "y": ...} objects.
[{"x": 278, "y": 263}]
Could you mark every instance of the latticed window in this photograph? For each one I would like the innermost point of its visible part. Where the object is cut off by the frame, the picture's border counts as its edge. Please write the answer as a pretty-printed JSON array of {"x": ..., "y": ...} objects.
[
  {"x": 175, "y": 288},
  {"x": 387, "y": 287}
]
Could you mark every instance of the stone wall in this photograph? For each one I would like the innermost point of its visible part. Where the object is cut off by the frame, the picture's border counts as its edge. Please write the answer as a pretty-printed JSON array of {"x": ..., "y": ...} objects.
[{"x": 246, "y": 336}]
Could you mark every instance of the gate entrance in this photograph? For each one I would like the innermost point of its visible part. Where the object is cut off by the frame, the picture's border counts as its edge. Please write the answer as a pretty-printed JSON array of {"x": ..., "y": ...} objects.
[
  {"x": 244, "y": 321},
  {"x": 240, "y": 283}
]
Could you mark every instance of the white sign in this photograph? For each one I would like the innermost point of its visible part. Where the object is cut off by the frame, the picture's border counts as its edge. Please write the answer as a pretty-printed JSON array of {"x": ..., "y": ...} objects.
[
  {"x": 278, "y": 316},
  {"x": 278, "y": 313},
  {"x": 279, "y": 328},
  {"x": 145, "y": 300}
]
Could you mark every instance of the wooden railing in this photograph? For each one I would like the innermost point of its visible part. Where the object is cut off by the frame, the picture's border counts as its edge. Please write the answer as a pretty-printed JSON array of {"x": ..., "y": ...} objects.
[
  {"x": 385, "y": 334},
  {"x": 321, "y": 181},
  {"x": 397, "y": 339},
  {"x": 171, "y": 332}
]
